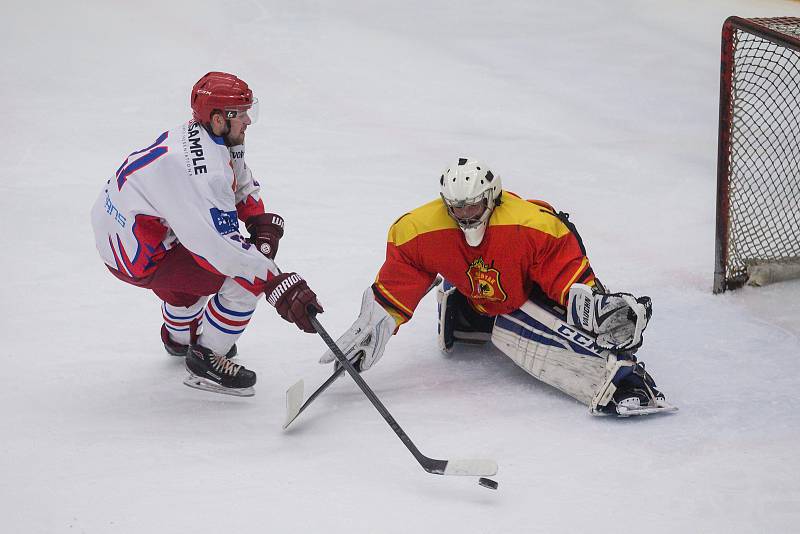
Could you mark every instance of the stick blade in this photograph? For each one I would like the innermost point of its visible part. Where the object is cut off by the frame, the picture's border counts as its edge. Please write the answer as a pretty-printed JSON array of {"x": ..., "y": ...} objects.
[
  {"x": 294, "y": 401},
  {"x": 471, "y": 468}
]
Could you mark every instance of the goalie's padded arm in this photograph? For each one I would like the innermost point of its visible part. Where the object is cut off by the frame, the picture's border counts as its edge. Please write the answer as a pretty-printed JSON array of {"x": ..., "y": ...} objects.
[
  {"x": 561, "y": 260},
  {"x": 400, "y": 317},
  {"x": 400, "y": 284}
]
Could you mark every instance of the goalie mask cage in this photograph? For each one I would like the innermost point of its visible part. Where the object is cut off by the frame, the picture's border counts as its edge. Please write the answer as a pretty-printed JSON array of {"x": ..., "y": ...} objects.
[{"x": 758, "y": 168}]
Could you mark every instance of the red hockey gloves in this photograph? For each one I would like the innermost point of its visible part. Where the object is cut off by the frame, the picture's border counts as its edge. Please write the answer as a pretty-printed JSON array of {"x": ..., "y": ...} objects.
[
  {"x": 265, "y": 231},
  {"x": 292, "y": 298}
]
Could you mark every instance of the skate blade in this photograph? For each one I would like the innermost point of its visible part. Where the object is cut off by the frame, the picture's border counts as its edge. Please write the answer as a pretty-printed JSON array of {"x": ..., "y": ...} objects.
[
  {"x": 661, "y": 407},
  {"x": 622, "y": 411},
  {"x": 197, "y": 382}
]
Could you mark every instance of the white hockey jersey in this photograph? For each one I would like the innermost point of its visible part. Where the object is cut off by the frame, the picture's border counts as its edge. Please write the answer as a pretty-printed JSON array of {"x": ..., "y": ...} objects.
[{"x": 189, "y": 188}]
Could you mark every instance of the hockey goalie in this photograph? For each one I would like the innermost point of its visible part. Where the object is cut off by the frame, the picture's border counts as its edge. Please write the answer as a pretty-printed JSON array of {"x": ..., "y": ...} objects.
[{"x": 516, "y": 274}]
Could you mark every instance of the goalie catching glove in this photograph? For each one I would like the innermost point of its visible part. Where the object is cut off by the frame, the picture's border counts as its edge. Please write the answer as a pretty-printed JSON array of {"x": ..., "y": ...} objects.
[
  {"x": 618, "y": 319},
  {"x": 365, "y": 340}
]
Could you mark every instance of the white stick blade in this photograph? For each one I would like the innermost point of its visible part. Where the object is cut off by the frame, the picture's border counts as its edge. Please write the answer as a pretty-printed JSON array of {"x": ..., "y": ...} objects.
[
  {"x": 294, "y": 400},
  {"x": 473, "y": 468}
]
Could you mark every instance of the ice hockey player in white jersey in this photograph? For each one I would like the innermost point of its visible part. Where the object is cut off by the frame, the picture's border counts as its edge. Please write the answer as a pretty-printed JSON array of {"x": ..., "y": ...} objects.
[{"x": 168, "y": 221}]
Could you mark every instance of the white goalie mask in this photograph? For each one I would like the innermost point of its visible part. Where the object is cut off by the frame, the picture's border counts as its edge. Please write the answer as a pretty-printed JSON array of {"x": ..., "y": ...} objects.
[{"x": 470, "y": 191}]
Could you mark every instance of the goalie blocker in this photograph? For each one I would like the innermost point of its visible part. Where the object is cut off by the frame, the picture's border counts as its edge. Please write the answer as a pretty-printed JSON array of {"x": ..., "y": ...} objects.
[{"x": 559, "y": 352}]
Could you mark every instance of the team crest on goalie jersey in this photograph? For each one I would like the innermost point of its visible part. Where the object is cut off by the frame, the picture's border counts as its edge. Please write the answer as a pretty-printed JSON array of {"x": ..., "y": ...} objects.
[{"x": 485, "y": 281}]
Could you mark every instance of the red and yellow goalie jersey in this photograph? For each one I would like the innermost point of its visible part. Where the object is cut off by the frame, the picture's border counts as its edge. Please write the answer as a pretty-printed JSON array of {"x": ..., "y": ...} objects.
[{"x": 525, "y": 244}]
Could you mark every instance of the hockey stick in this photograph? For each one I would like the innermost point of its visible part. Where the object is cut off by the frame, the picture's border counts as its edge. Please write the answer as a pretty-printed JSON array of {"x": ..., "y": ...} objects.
[
  {"x": 294, "y": 395},
  {"x": 479, "y": 468}
]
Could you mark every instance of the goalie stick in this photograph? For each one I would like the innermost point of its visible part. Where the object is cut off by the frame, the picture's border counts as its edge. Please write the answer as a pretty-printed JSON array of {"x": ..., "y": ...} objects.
[
  {"x": 294, "y": 395},
  {"x": 479, "y": 468}
]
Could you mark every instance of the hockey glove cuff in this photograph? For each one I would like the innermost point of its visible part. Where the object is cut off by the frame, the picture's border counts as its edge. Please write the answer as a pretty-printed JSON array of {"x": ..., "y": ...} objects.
[
  {"x": 266, "y": 230},
  {"x": 292, "y": 297}
]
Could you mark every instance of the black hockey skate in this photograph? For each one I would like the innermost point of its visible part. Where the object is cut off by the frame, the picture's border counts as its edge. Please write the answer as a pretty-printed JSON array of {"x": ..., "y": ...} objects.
[
  {"x": 636, "y": 394},
  {"x": 176, "y": 349},
  {"x": 211, "y": 372}
]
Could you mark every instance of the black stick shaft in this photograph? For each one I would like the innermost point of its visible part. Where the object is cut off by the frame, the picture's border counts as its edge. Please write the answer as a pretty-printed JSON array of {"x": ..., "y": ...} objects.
[
  {"x": 336, "y": 374},
  {"x": 421, "y": 458},
  {"x": 438, "y": 280}
]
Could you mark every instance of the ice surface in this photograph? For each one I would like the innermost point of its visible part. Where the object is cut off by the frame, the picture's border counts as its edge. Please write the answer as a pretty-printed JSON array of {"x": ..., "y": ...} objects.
[{"x": 608, "y": 110}]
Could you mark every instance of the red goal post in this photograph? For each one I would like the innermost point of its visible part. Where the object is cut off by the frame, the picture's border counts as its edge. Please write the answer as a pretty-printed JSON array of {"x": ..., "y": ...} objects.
[{"x": 758, "y": 167}]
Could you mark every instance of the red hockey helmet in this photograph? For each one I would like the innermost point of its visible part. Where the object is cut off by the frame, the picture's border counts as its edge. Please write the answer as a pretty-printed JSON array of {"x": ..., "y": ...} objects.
[{"x": 225, "y": 92}]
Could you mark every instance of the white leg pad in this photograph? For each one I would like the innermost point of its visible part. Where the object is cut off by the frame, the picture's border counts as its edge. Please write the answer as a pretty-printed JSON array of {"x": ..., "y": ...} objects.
[{"x": 552, "y": 351}]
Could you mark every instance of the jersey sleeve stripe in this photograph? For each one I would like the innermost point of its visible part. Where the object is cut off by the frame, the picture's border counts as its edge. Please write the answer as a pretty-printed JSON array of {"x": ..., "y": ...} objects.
[
  {"x": 586, "y": 278},
  {"x": 581, "y": 270},
  {"x": 383, "y": 294}
]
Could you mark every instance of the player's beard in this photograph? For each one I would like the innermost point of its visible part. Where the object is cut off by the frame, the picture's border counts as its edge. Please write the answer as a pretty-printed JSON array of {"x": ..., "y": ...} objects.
[{"x": 233, "y": 141}]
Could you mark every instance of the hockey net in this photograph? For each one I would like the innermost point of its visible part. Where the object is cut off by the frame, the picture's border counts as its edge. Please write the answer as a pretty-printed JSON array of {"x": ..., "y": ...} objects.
[{"x": 758, "y": 177}]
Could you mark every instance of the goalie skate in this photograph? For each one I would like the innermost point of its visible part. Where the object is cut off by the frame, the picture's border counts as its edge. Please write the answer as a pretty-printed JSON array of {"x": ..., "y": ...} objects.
[{"x": 635, "y": 402}]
